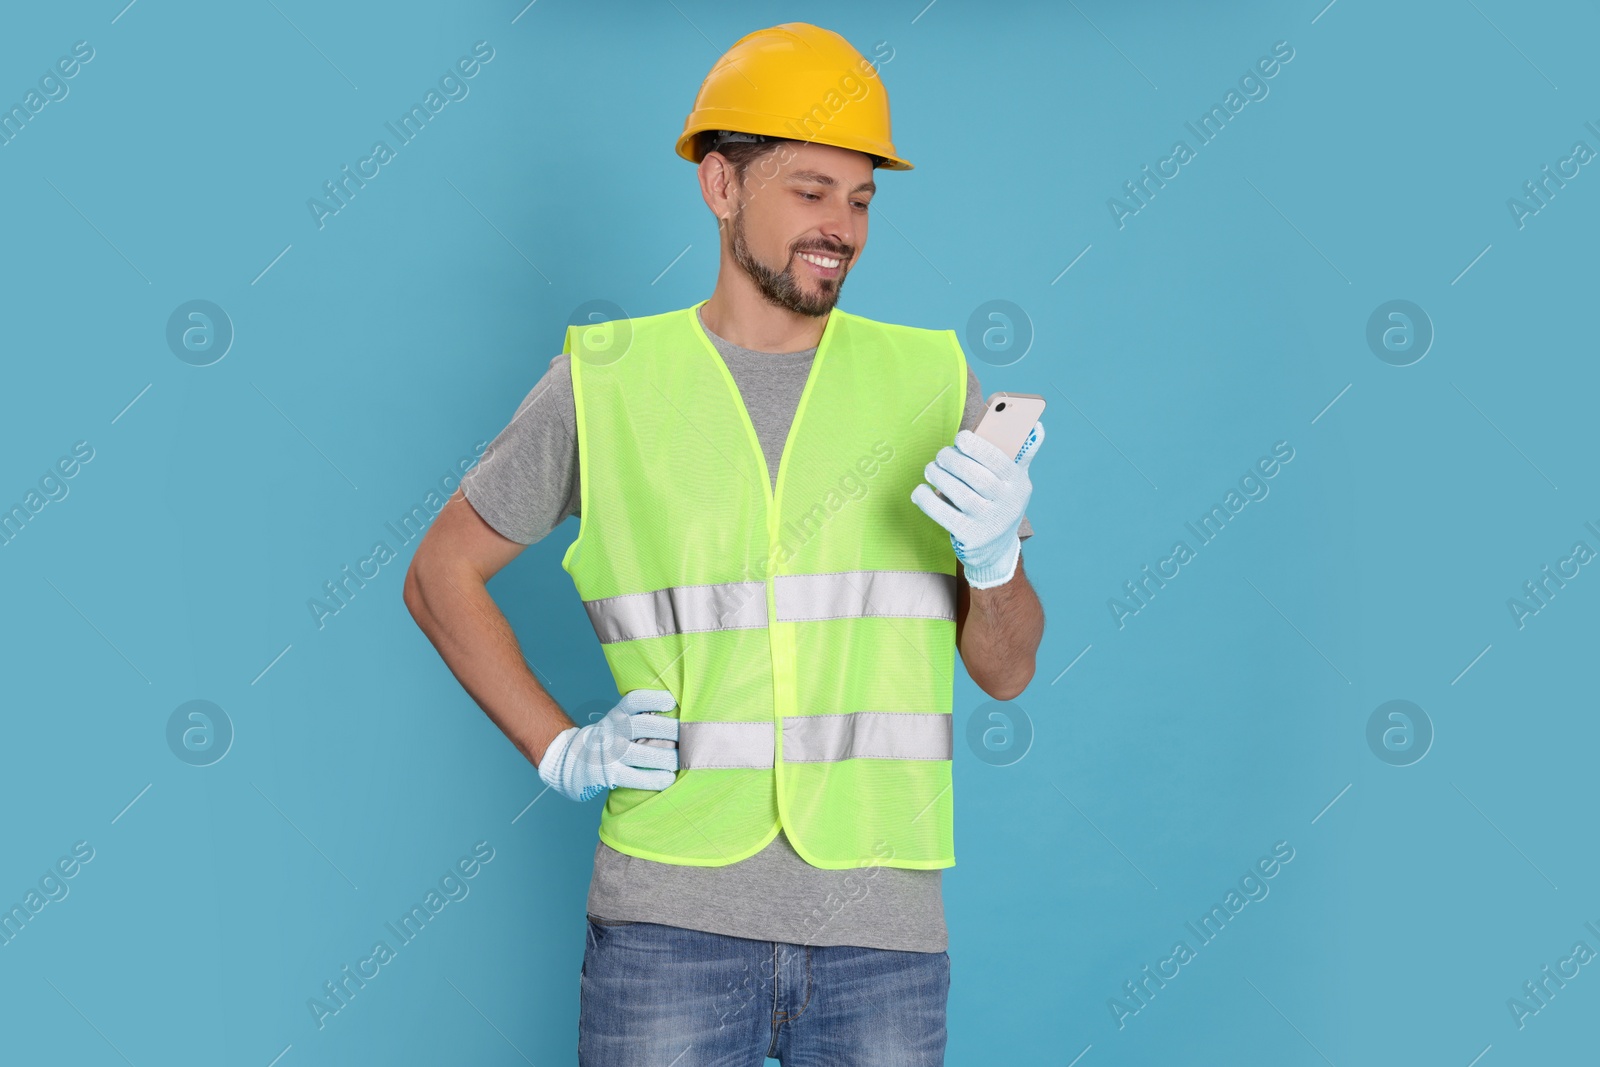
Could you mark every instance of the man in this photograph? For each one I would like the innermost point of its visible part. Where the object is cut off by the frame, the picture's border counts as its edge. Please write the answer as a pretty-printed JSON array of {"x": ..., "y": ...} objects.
[{"x": 756, "y": 554}]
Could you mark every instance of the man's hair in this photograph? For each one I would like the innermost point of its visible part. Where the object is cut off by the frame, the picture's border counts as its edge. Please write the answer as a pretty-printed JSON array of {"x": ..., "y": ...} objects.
[
  {"x": 743, "y": 153},
  {"x": 740, "y": 153}
]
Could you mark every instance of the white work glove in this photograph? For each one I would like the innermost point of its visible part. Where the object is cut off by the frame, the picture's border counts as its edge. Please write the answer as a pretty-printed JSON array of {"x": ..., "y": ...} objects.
[
  {"x": 986, "y": 493},
  {"x": 584, "y": 761}
]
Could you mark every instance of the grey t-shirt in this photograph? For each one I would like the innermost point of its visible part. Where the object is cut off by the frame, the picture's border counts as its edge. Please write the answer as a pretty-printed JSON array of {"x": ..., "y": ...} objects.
[{"x": 530, "y": 487}]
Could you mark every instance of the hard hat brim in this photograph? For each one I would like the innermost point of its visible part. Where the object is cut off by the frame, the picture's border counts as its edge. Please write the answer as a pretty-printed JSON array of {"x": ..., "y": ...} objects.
[{"x": 772, "y": 126}]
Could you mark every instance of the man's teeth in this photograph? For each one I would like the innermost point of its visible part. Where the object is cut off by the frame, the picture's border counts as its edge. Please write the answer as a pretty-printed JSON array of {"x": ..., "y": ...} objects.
[{"x": 821, "y": 261}]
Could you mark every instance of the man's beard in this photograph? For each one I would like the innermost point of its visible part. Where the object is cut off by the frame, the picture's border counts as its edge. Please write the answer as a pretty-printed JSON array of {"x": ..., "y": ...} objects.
[{"x": 784, "y": 289}]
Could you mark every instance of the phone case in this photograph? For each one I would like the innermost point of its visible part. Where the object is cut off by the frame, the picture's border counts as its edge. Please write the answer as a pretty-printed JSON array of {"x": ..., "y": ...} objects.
[{"x": 1007, "y": 427}]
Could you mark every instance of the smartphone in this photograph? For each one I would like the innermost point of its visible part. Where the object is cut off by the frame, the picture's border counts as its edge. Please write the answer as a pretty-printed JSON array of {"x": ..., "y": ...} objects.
[
  {"x": 1009, "y": 419},
  {"x": 1006, "y": 423}
]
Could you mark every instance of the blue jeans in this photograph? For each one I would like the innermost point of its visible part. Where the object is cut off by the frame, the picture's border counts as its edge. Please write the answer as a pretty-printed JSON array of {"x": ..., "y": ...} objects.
[{"x": 662, "y": 996}]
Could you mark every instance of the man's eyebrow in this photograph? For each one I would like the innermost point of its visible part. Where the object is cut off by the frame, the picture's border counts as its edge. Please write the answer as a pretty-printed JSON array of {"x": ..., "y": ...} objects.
[{"x": 827, "y": 179}]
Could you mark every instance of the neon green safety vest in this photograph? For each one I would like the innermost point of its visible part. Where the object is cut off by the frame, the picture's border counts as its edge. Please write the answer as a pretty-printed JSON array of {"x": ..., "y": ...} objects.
[{"x": 807, "y": 632}]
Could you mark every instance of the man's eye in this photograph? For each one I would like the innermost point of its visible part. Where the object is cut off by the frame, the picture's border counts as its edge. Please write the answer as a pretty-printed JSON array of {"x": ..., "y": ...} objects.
[
  {"x": 862, "y": 204},
  {"x": 811, "y": 196}
]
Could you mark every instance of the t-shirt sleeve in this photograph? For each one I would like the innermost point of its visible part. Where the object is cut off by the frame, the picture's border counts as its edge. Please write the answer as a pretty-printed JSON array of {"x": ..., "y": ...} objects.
[
  {"x": 970, "y": 417},
  {"x": 526, "y": 483}
]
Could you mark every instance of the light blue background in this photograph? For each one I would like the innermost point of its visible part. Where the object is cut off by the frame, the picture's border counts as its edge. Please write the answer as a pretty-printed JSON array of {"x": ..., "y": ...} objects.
[{"x": 1225, "y": 316}]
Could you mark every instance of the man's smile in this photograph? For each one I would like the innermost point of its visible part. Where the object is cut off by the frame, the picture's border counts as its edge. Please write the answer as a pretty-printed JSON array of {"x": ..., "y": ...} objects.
[{"x": 825, "y": 266}]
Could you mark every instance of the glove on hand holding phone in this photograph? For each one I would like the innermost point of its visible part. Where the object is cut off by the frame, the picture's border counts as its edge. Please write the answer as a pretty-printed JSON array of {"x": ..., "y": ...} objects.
[
  {"x": 583, "y": 762},
  {"x": 986, "y": 492}
]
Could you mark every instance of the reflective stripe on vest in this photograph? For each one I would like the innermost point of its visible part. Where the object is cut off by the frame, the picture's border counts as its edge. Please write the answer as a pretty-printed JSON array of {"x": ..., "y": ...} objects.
[
  {"x": 682, "y": 609},
  {"x": 816, "y": 739}
]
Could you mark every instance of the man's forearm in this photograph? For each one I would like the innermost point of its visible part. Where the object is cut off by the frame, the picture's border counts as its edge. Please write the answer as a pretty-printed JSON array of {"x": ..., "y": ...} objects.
[
  {"x": 472, "y": 636},
  {"x": 1001, "y": 634}
]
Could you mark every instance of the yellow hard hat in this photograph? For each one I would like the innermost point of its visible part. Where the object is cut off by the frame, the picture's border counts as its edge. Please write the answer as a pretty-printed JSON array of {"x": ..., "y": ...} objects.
[{"x": 795, "y": 81}]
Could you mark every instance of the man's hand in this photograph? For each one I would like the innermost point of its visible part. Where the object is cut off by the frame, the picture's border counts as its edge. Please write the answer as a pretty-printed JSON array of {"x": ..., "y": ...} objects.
[
  {"x": 986, "y": 494},
  {"x": 583, "y": 762}
]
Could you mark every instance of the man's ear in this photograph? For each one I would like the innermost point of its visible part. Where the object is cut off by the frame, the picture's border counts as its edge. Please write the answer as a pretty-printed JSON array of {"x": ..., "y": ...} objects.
[{"x": 718, "y": 185}]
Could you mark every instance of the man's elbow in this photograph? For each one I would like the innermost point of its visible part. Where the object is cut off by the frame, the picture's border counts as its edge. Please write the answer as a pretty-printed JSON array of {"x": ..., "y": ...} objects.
[
  {"x": 411, "y": 589},
  {"x": 1009, "y": 687},
  {"x": 1008, "y": 692}
]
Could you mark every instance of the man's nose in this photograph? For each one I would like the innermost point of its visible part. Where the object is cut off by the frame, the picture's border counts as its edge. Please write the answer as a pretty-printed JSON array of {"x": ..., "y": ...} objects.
[{"x": 842, "y": 229}]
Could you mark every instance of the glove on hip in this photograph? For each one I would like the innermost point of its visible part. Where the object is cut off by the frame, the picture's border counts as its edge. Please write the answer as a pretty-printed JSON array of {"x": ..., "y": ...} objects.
[{"x": 583, "y": 762}]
